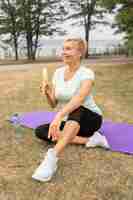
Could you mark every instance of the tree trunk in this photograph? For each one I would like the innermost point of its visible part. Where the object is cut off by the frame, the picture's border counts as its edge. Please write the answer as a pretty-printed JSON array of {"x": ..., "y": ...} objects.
[
  {"x": 90, "y": 8},
  {"x": 87, "y": 34},
  {"x": 34, "y": 50},
  {"x": 16, "y": 47},
  {"x": 36, "y": 42},
  {"x": 28, "y": 47},
  {"x": 14, "y": 29},
  {"x": 87, "y": 31}
]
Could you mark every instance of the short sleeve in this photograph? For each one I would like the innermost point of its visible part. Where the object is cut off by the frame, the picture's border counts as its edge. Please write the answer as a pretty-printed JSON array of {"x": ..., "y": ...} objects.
[{"x": 87, "y": 74}]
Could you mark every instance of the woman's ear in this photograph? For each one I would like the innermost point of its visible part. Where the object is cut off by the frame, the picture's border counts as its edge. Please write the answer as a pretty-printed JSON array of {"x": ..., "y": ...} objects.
[{"x": 80, "y": 54}]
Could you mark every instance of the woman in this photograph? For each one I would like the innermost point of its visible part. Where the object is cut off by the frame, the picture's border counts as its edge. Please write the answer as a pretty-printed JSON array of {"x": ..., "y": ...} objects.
[{"x": 78, "y": 118}]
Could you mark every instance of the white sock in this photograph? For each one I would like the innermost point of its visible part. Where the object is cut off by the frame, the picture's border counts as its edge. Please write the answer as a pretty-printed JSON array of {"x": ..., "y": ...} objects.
[{"x": 97, "y": 140}]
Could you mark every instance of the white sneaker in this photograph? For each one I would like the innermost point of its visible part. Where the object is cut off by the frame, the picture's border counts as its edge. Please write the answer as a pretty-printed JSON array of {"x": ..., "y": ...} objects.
[
  {"x": 47, "y": 168},
  {"x": 97, "y": 140}
]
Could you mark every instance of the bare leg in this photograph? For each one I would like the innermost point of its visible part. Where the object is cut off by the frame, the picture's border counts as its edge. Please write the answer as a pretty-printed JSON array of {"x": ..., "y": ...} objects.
[
  {"x": 69, "y": 132},
  {"x": 79, "y": 140},
  {"x": 48, "y": 167},
  {"x": 76, "y": 139}
]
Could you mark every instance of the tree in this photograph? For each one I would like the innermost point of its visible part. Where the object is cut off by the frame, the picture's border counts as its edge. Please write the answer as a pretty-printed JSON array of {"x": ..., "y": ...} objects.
[
  {"x": 9, "y": 23},
  {"x": 87, "y": 13},
  {"x": 124, "y": 19},
  {"x": 39, "y": 17},
  {"x": 30, "y": 19}
]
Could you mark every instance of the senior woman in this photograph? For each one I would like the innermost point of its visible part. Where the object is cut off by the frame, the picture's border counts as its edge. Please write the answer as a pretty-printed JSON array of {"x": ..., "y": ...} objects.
[{"x": 78, "y": 117}]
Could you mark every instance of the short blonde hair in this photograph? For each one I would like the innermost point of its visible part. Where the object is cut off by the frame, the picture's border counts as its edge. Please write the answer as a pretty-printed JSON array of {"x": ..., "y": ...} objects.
[{"x": 82, "y": 45}]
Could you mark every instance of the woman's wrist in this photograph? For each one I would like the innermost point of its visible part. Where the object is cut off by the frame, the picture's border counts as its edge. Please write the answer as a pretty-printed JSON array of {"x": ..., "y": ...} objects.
[
  {"x": 47, "y": 93},
  {"x": 59, "y": 115}
]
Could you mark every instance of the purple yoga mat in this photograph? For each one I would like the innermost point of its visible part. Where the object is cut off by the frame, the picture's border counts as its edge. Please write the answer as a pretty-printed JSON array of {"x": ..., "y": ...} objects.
[
  {"x": 119, "y": 135},
  {"x": 34, "y": 119}
]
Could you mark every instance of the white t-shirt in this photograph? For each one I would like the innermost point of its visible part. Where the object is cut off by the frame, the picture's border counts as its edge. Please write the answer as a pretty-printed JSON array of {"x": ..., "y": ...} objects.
[{"x": 65, "y": 90}]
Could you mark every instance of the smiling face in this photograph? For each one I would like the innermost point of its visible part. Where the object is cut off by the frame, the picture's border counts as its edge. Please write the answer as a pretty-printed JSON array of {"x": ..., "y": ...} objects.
[{"x": 71, "y": 52}]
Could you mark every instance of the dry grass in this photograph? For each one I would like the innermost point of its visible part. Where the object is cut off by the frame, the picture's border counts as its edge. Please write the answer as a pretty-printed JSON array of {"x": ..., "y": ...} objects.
[{"x": 94, "y": 174}]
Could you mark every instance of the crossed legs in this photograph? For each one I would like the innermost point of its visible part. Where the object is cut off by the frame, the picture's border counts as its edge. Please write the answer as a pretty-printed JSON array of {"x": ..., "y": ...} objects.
[
  {"x": 48, "y": 167},
  {"x": 69, "y": 135}
]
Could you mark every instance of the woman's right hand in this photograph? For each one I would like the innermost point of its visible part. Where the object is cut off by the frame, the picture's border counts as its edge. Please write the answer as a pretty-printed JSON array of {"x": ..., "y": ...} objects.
[{"x": 45, "y": 88}]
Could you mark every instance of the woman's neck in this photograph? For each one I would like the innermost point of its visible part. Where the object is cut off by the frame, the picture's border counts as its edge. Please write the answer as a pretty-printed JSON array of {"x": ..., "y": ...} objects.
[{"x": 73, "y": 66}]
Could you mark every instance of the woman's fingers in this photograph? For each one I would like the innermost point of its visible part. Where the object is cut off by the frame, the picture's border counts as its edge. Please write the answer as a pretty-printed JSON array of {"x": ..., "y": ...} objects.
[
  {"x": 44, "y": 88},
  {"x": 50, "y": 132},
  {"x": 53, "y": 132}
]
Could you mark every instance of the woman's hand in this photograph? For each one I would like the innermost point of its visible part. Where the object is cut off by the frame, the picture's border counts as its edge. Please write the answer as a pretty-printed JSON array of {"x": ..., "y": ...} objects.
[
  {"x": 45, "y": 88},
  {"x": 54, "y": 129},
  {"x": 48, "y": 90}
]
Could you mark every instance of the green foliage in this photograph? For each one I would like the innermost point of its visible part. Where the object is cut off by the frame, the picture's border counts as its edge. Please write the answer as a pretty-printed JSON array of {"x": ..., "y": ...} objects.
[
  {"x": 9, "y": 23},
  {"x": 29, "y": 19},
  {"x": 129, "y": 44},
  {"x": 124, "y": 19},
  {"x": 88, "y": 14}
]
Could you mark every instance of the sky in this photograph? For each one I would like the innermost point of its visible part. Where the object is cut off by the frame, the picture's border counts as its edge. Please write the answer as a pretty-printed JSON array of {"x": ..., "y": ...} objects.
[
  {"x": 101, "y": 38},
  {"x": 101, "y": 32}
]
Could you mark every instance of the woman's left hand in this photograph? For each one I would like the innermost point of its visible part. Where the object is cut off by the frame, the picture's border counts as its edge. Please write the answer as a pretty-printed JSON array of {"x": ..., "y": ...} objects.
[{"x": 54, "y": 131}]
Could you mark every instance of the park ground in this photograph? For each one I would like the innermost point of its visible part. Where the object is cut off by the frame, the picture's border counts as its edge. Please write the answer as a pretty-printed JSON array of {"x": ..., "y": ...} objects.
[{"x": 83, "y": 174}]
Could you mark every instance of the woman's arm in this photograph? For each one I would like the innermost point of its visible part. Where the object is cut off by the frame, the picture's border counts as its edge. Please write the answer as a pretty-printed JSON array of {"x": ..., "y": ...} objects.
[{"x": 76, "y": 100}]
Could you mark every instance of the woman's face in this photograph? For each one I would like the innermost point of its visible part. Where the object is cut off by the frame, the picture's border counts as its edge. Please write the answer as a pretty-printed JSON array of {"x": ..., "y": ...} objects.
[{"x": 70, "y": 52}]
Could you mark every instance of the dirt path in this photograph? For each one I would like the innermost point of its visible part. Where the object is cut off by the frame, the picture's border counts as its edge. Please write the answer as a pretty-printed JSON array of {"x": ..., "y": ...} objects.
[{"x": 92, "y": 61}]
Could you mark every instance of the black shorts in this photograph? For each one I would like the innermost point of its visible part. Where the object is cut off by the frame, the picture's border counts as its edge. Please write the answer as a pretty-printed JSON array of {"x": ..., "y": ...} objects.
[{"x": 88, "y": 120}]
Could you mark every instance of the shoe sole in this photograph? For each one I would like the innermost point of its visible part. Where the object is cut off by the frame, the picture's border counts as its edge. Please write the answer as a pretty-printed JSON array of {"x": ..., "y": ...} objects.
[
  {"x": 98, "y": 145},
  {"x": 43, "y": 179}
]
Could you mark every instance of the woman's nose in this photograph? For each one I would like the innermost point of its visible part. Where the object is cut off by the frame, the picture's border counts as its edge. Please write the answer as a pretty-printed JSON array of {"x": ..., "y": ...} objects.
[{"x": 64, "y": 53}]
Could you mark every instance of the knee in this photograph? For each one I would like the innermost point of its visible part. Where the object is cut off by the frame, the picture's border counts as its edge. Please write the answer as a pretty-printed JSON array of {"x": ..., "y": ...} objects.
[{"x": 73, "y": 124}]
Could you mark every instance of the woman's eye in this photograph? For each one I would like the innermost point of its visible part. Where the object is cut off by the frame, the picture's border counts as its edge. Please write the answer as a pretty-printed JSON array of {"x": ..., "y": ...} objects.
[{"x": 67, "y": 49}]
